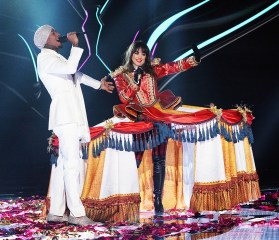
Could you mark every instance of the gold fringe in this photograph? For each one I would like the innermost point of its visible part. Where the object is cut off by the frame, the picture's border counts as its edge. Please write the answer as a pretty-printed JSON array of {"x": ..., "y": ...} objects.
[
  {"x": 220, "y": 196},
  {"x": 117, "y": 208},
  {"x": 248, "y": 186},
  {"x": 45, "y": 207}
]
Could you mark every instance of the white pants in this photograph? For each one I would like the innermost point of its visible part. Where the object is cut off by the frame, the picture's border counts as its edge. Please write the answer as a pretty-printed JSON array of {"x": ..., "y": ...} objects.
[{"x": 65, "y": 184}]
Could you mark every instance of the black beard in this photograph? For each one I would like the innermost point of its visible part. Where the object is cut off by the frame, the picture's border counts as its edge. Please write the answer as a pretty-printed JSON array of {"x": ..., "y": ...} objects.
[{"x": 56, "y": 49}]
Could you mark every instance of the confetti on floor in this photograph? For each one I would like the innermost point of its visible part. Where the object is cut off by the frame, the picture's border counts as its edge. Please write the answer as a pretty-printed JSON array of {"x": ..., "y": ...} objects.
[{"x": 21, "y": 218}]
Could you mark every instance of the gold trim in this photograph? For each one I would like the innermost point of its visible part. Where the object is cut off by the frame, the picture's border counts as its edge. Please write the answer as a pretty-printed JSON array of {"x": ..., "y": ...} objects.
[
  {"x": 155, "y": 61},
  {"x": 149, "y": 98},
  {"x": 131, "y": 84},
  {"x": 116, "y": 208},
  {"x": 125, "y": 97},
  {"x": 216, "y": 111},
  {"x": 180, "y": 65},
  {"x": 94, "y": 173},
  {"x": 117, "y": 71},
  {"x": 108, "y": 126}
]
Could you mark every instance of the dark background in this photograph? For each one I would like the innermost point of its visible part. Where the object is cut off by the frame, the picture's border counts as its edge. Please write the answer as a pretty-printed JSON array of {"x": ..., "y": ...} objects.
[{"x": 243, "y": 72}]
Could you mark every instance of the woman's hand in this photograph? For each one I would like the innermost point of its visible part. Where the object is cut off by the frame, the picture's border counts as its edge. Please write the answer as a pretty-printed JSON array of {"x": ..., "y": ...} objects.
[
  {"x": 138, "y": 75},
  {"x": 197, "y": 53}
]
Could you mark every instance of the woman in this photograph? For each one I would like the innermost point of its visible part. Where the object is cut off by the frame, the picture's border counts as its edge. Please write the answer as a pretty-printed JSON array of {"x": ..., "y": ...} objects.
[{"x": 136, "y": 83}]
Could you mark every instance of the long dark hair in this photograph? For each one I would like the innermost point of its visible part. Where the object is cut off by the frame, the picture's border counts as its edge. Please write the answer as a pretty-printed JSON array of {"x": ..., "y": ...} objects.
[{"x": 128, "y": 64}]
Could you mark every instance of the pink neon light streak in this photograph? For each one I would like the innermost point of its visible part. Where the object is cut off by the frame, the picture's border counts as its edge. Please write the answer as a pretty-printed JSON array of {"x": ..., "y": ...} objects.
[
  {"x": 153, "y": 51},
  {"x": 135, "y": 37},
  {"x": 86, "y": 38}
]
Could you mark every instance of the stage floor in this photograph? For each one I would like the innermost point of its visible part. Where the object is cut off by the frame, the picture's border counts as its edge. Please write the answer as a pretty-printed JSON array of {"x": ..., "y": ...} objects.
[{"x": 20, "y": 218}]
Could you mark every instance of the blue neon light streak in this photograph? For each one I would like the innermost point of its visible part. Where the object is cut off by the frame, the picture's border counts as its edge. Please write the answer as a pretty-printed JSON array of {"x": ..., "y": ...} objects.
[
  {"x": 33, "y": 60},
  {"x": 223, "y": 34},
  {"x": 164, "y": 25},
  {"x": 103, "y": 8},
  {"x": 98, "y": 38},
  {"x": 220, "y": 35}
]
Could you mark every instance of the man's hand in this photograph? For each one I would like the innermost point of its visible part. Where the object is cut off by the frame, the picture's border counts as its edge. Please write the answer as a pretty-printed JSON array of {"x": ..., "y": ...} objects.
[
  {"x": 107, "y": 86},
  {"x": 72, "y": 37}
]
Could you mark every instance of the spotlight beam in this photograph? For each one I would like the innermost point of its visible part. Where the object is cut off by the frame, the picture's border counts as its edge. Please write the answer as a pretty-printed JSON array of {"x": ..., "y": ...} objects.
[
  {"x": 75, "y": 9},
  {"x": 15, "y": 92}
]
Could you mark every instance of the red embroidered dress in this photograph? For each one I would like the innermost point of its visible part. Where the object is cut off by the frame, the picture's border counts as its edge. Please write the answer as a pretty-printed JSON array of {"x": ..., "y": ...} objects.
[{"x": 144, "y": 98}]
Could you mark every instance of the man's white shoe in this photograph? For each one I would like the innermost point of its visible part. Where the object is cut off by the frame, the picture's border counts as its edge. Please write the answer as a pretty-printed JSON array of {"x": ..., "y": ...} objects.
[
  {"x": 51, "y": 218},
  {"x": 82, "y": 221}
]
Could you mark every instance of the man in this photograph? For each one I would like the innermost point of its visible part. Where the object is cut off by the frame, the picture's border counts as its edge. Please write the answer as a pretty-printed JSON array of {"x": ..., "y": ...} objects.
[{"x": 67, "y": 119}]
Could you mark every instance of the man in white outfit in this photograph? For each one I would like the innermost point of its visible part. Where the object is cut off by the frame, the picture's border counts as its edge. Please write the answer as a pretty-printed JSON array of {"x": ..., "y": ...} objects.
[{"x": 67, "y": 119}]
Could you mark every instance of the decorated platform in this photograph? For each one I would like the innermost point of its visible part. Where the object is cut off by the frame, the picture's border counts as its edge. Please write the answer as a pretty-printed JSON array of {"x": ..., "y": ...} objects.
[{"x": 209, "y": 164}]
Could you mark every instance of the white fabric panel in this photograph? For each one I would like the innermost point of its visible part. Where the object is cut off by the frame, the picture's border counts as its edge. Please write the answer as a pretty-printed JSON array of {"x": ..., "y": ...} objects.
[
  {"x": 188, "y": 171},
  {"x": 239, "y": 154},
  {"x": 209, "y": 161},
  {"x": 120, "y": 175}
]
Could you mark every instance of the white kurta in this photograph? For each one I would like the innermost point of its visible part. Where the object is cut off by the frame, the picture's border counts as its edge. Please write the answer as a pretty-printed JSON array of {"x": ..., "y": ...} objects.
[
  {"x": 67, "y": 104},
  {"x": 68, "y": 120}
]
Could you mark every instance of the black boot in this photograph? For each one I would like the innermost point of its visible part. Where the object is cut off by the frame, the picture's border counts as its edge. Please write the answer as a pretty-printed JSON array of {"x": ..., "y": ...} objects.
[
  {"x": 158, "y": 206},
  {"x": 158, "y": 183}
]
